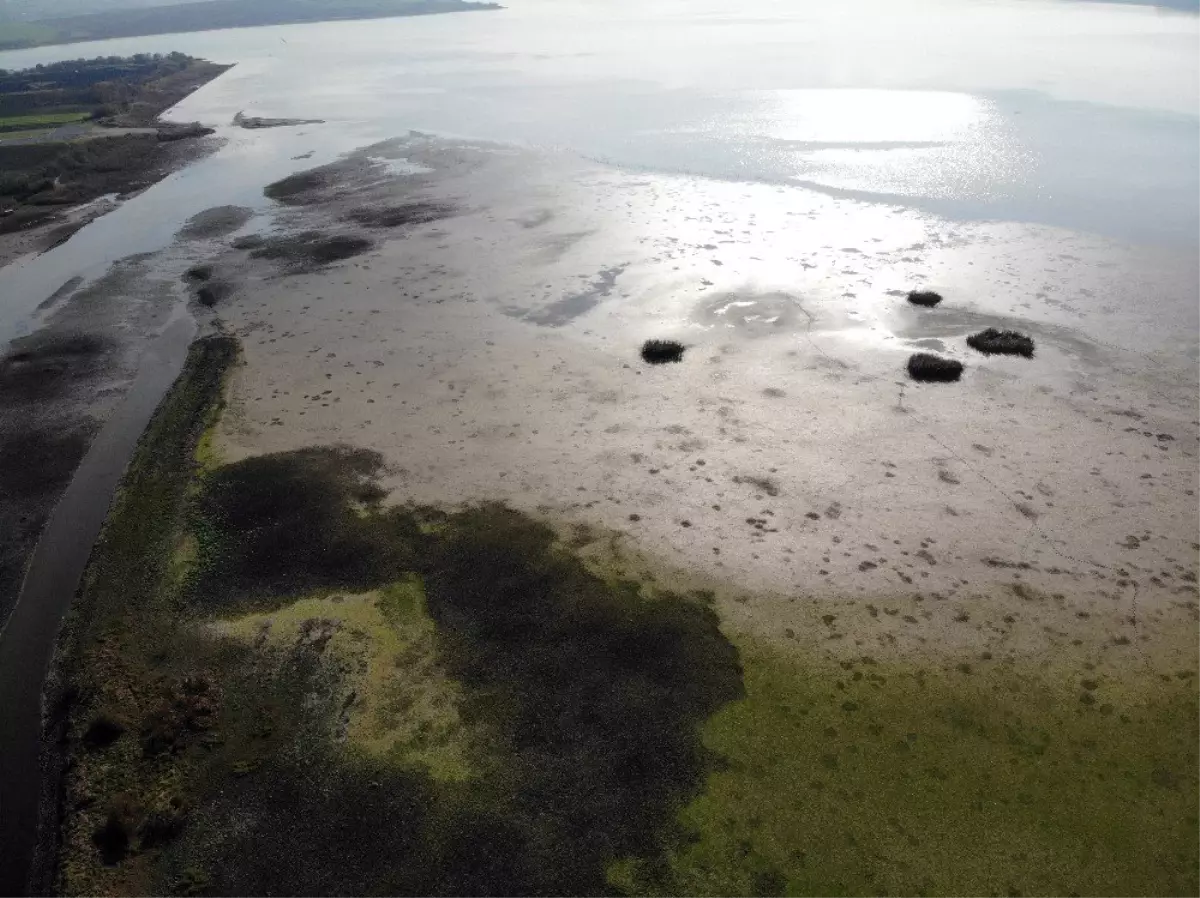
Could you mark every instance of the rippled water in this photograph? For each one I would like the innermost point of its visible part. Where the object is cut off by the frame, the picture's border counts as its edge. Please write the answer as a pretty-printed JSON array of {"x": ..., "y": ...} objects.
[{"x": 1078, "y": 115}]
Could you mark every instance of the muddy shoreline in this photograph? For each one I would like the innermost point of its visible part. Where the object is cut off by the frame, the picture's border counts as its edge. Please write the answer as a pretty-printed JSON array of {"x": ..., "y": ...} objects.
[
  {"x": 941, "y": 631},
  {"x": 75, "y": 397},
  {"x": 106, "y": 165},
  {"x": 876, "y": 598},
  {"x": 51, "y": 579},
  {"x": 59, "y": 384}
]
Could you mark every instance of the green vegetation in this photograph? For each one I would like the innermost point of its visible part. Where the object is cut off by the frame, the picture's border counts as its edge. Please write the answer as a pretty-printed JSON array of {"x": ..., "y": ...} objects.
[
  {"x": 926, "y": 298},
  {"x": 286, "y": 686},
  {"x": 210, "y": 15},
  {"x": 43, "y": 120},
  {"x": 283, "y": 685},
  {"x": 127, "y": 567},
  {"x": 42, "y": 174},
  {"x": 997, "y": 342},
  {"x": 929, "y": 368},
  {"x": 984, "y": 778},
  {"x": 107, "y": 84},
  {"x": 658, "y": 352}
]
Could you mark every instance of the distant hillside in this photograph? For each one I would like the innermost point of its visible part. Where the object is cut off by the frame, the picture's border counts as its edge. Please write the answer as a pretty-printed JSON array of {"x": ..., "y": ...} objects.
[
  {"x": 29, "y": 10},
  {"x": 209, "y": 15}
]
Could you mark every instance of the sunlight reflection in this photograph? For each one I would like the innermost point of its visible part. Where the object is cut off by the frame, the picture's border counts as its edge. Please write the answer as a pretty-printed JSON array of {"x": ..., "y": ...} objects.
[
  {"x": 872, "y": 116},
  {"x": 936, "y": 144}
]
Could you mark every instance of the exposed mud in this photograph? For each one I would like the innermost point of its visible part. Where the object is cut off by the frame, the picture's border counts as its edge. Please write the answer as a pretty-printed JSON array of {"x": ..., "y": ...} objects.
[
  {"x": 47, "y": 364},
  {"x": 310, "y": 250},
  {"x": 36, "y": 464},
  {"x": 314, "y": 185},
  {"x": 255, "y": 123},
  {"x": 399, "y": 216},
  {"x": 216, "y": 222},
  {"x": 57, "y": 386}
]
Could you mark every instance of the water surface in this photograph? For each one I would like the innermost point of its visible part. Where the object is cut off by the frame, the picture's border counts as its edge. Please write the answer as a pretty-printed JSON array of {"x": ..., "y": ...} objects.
[{"x": 1076, "y": 115}]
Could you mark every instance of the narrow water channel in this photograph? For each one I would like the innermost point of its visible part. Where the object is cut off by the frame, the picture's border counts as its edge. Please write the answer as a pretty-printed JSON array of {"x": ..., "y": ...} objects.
[{"x": 53, "y": 576}]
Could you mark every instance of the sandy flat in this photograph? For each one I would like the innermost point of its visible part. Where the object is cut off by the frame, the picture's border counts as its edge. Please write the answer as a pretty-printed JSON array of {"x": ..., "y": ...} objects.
[{"x": 1033, "y": 507}]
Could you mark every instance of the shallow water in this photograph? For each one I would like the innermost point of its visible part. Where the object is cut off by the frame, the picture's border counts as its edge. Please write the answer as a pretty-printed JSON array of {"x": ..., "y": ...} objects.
[{"x": 1076, "y": 115}]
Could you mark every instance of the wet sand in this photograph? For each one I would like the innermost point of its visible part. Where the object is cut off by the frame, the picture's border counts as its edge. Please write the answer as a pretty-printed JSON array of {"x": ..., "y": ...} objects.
[{"x": 1036, "y": 507}]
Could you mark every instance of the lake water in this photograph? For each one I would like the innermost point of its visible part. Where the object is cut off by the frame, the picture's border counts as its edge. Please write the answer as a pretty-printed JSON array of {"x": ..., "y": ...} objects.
[{"x": 1076, "y": 115}]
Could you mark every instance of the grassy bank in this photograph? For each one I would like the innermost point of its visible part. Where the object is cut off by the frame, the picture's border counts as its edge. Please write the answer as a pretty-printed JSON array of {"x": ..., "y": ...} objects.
[
  {"x": 283, "y": 684},
  {"x": 106, "y": 663},
  {"x": 16, "y": 123}
]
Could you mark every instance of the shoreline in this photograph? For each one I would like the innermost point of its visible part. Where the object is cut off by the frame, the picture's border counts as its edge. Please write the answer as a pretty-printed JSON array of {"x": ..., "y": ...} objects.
[
  {"x": 861, "y": 709},
  {"x": 75, "y": 397},
  {"x": 467, "y": 318},
  {"x": 499, "y": 393},
  {"x": 51, "y": 578},
  {"x": 136, "y": 152},
  {"x": 966, "y": 620}
]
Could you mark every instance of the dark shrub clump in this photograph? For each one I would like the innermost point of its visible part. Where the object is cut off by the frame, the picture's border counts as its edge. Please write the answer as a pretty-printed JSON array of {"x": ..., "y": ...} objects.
[
  {"x": 103, "y": 731},
  {"x": 287, "y": 524},
  {"x": 656, "y": 352},
  {"x": 926, "y": 298},
  {"x": 926, "y": 367},
  {"x": 112, "y": 837},
  {"x": 992, "y": 341},
  {"x": 213, "y": 292}
]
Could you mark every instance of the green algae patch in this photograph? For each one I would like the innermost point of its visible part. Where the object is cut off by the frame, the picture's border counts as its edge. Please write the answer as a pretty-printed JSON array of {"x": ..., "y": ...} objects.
[
  {"x": 882, "y": 778},
  {"x": 399, "y": 704}
]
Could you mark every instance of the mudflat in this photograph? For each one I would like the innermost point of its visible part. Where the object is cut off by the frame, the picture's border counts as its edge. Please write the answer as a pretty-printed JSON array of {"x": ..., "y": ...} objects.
[{"x": 454, "y": 592}]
